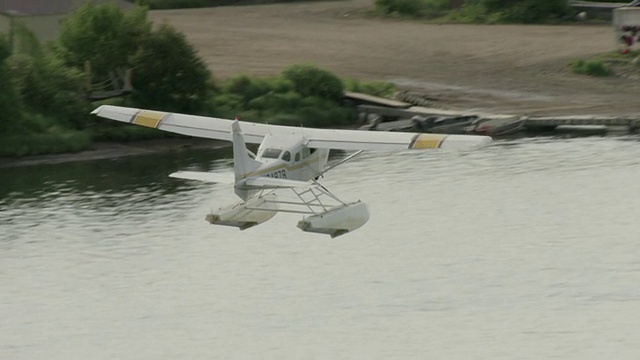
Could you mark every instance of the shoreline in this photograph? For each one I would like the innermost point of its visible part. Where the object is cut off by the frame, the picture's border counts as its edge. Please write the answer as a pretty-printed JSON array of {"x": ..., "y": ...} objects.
[
  {"x": 107, "y": 150},
  {"x": 499, "y": 69}
]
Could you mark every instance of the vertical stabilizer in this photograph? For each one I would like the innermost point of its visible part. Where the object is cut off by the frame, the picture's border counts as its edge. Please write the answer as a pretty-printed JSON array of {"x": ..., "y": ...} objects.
[{"x": 243, "y": 164}]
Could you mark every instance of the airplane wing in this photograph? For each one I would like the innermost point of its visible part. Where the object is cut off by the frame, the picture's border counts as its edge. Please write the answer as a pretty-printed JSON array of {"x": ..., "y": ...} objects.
[
  {"x": 204, "y": 176},
  {"x": 215, "y": 128}
]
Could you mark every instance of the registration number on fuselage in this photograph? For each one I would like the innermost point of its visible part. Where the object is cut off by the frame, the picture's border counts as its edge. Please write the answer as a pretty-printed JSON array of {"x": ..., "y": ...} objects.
[{"x": 279, "y": 174}]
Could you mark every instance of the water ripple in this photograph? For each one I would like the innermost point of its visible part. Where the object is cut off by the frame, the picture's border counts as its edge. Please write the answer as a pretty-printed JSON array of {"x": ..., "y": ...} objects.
[{"x": 524, "y": 249}]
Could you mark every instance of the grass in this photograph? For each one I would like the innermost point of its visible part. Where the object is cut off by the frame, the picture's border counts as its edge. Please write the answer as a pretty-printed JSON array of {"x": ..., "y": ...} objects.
[
  {"x": 613, "y": 63},
  {"x": 591, "y": 67}
]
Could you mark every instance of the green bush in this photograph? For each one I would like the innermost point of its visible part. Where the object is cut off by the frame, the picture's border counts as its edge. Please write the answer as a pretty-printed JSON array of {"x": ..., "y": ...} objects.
[
  {"x": 400, "y": 7},
  {"x": 36, "y": 123},
  {"x": 309, "y": 80},
  {"x": 535, "y": 11},
  {"x": 513, "y": 11},
  {"x": 413, "y": 8},
  {"x": 293, "y": 110},
  {"x": 376, "y": 88},
  {"x": 247, "y": 88},
  {"x": 303, "y": 95},
  {"x": 48, "y": 87},
  {"x": 275, "y": 102},
  {"x": 593, "y": 67},
  {"x": 314, "y": 111}
]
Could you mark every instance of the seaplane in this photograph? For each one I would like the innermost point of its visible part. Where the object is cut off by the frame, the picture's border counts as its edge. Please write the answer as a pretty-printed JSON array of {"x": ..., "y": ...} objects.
[{"x": 288, "y": 159}]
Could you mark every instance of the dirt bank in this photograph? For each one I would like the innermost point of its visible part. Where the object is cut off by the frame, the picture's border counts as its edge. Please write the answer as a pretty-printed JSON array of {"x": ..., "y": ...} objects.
[{"x": 505, "y": 68}]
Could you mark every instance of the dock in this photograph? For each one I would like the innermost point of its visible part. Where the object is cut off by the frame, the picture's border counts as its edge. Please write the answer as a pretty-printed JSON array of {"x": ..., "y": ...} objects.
[
  {"x": 632, "y": 124},
  {"x": 366, "y": 99},
  {"x": 404, "y": 116}
]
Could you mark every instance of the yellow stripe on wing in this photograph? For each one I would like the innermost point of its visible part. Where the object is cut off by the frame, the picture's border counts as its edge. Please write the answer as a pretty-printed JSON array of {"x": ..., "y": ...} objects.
[
  {"x": 148, "y": 118},
  {"x": 427, "y": 141}
]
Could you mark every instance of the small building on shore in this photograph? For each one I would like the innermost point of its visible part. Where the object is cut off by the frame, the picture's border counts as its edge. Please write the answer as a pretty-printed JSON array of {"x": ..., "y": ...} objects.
[
  {"x": 626, "y": 24},
  {"x": 43, "y": 17}
]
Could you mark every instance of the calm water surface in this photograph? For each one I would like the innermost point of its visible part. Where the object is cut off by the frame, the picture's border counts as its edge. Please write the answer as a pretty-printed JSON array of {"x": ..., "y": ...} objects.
[{"x": 528, "y": 249}]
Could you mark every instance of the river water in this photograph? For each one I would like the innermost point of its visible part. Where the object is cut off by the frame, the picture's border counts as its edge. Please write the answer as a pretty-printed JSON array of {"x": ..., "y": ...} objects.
[{"x": 527, "y": 249}]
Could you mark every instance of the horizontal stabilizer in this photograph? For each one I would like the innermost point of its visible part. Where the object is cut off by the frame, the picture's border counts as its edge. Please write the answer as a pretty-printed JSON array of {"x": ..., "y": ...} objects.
[
  {"x": 273, "y": 183},
  {"x": 204, "y": 176}
]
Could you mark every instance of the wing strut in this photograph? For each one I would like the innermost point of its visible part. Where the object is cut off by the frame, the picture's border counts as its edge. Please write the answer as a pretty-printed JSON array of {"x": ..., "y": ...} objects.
[{"x": 341, "y": 162}]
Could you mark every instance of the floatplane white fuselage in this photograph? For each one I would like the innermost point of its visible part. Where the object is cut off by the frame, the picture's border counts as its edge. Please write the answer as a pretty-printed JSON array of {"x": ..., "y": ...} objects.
[
  {"x": 288, "y": 158},
  {"x": 283, "y": 162}
]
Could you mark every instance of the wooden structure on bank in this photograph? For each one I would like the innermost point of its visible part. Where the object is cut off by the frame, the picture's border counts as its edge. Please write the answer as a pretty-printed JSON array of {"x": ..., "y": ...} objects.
[
  {"x": 629, "y": 124},
  {"x": 118, "y": 84},
  {"x": 421, "y": 119},
  {"x": 602, "y": 10},
  {"x": 366, "y": 99}
]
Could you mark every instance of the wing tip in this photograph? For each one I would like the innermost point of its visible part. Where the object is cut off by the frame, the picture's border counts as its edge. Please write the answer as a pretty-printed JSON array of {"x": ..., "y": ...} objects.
[{"x": 97, "y": 110}]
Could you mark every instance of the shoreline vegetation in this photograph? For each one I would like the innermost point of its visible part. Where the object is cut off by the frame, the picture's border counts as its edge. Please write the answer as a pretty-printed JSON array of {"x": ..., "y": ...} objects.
[
  {"x": 47, "y": 113},
  {"x": 116, "y": 150},
  {"x": 479, "y": 11}
]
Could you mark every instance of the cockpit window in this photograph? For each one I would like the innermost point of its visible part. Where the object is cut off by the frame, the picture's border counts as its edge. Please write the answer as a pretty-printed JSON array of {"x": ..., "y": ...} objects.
[
  {"x": 286, "y": 156},
  {"x": 271, "y": 153},
  {"x": 297, "y": 156}
]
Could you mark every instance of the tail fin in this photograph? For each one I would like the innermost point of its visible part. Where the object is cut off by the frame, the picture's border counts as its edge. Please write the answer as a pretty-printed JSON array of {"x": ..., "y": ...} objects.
[{"x": 243, "y": 164}]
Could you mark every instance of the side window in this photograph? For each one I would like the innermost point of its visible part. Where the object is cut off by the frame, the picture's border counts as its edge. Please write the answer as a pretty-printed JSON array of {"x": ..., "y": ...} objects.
[
  {"x": 305, "y": 153},
  {"x": 286, "y": 156},
  {"x": 297, "y": 156}
]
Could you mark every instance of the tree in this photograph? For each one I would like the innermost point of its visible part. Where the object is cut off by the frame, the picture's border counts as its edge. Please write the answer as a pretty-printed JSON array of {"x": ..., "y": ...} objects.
[
  {"x": 104, "y": 35},
  {"x": 50, "y": 88},
  {"x": 168, "y": 74},
  {"x": 45, "y": 84},
  {"x": 9, "y": 99}
]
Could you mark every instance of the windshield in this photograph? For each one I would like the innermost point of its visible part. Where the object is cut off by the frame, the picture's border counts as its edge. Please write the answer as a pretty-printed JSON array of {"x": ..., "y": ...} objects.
[{"x": 271, "y": 153}]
